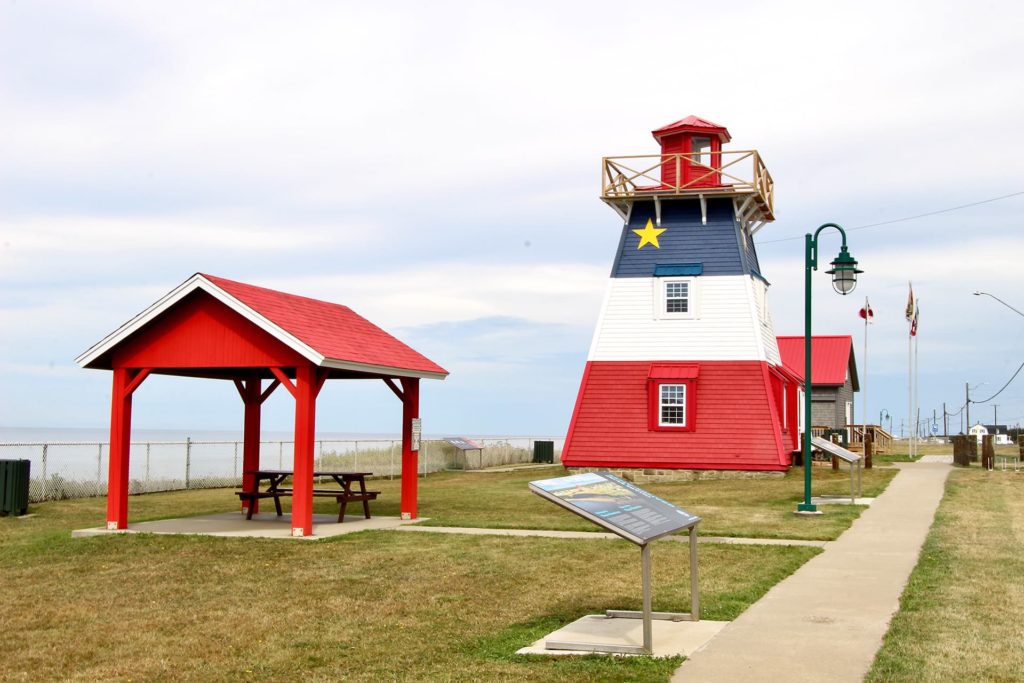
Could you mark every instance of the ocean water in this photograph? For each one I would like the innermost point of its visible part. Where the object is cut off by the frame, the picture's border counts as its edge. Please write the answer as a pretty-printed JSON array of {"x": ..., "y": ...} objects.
[
  {"x": 71, "y": 435},
  {"x": 82, "y": 455}
]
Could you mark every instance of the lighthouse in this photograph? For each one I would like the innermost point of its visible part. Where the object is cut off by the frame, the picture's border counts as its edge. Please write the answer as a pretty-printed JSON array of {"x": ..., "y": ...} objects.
[{"x": 683, "y": 373}]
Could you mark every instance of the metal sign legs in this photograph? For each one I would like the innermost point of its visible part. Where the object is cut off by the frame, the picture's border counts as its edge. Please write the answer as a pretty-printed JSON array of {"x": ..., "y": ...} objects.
[{"x": 646, "y": 614}]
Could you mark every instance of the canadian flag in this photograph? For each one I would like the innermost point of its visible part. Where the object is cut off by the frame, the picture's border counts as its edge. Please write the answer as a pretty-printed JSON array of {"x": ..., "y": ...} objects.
[{"x": 866, "y": 312}]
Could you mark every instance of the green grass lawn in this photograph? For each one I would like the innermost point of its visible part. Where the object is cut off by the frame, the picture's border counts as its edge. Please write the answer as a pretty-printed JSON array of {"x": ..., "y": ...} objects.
[
  {"x": 375, "y": 605},
  {"x": 960, "y": 615},
  {"x": 760, "y": 508}
]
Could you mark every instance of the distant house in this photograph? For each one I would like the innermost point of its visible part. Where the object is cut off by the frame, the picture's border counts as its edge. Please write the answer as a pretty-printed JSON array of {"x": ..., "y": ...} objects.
[
  {"x": 833, "y": 376},
  {"x": 979, "y": 430}
]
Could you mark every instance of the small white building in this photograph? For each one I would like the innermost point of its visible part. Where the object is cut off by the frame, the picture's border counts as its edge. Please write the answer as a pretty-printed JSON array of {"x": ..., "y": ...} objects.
[{"x": 1001, "y": 437}]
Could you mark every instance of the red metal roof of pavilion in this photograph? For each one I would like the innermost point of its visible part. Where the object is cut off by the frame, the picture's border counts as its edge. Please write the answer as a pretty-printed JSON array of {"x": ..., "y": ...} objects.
[
  {"x": 328, "y": 334},
  {"x": 831, "y": 358},
  {"x": 335, "y": 331},
  {"x": 690, "y": 123}
]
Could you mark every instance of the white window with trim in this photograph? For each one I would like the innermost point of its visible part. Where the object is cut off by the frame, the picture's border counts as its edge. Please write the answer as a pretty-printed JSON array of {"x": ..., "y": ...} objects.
[
  {"x": 785, "y": 406},
  {"x": 675, "y": 297},
  {"x": 672, "y": 405},
  {"x": 700, "y": 150},
  {"x": 800, "y": 408}
]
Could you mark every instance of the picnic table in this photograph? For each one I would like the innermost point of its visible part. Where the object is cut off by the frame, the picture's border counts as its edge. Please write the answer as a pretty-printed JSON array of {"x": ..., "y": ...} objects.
[{"x": 344, "y": 494}]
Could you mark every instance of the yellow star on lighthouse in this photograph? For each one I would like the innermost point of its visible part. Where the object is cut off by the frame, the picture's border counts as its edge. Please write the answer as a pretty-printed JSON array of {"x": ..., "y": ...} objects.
[{"x": 649, "y": 235}]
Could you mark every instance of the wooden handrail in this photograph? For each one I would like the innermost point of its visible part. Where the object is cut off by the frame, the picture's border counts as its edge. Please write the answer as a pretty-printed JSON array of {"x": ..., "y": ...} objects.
[{"x": 626, "y": 176}]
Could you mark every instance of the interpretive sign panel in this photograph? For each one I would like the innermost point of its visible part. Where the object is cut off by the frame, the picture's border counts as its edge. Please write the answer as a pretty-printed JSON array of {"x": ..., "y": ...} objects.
[
  {"x": 834, "y": 449},
  {"x": 616, "y": 504}
]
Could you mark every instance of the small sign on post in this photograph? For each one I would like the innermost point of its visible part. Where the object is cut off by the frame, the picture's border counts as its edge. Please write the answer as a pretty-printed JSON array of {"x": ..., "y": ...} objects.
[
  {"x": 416, "y": 432},
  {"x": 839, "y": 453},
  {"x": 638, "y": 516}
]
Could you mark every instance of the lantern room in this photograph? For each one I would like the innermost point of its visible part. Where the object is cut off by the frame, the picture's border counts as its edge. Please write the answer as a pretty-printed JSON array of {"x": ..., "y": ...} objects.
[
  {"x": 691, "y": 165},
  {"x": 692, "y": 152}
]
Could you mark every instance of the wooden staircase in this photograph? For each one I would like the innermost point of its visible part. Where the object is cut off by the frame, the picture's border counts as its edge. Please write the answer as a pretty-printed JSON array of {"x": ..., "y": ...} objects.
[{"x": 881, "y": 439}]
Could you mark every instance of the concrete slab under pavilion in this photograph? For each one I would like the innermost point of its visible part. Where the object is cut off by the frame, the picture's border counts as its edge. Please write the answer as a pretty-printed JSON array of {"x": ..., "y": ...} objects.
[{"x": 262, "y": 525}]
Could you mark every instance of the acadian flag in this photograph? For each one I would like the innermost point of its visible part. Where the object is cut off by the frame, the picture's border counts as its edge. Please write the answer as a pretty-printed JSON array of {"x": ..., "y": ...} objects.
[
  {"x": 910, "y": 304},
  {"x": 867, "y": 313},
  {"x": 913, "y": 321}
]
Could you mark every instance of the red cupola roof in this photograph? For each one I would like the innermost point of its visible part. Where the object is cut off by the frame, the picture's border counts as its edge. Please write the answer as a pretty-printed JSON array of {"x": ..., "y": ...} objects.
[{"x": 692, "y": 124}]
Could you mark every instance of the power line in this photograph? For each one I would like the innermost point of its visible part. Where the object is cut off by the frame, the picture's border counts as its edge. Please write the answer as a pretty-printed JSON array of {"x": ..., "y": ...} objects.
[
  {"x": 909, "y": 218},
  {"x": 1021, "y": 367}
]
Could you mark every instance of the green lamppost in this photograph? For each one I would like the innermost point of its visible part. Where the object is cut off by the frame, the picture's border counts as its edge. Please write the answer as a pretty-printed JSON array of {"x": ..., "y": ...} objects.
[{"x": 844, "y": 279}]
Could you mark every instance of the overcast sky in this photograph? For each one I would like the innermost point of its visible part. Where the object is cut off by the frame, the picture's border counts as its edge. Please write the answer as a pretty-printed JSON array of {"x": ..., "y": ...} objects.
[{"x": 435, "y": 166}]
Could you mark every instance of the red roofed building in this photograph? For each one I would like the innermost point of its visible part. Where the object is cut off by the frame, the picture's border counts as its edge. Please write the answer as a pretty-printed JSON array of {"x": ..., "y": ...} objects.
[
  {"x": 215, "y": 328},
  {"x": 833, "y": 376}
]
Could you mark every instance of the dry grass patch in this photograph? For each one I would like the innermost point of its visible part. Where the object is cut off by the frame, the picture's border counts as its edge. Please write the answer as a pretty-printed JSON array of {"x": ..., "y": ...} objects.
[
  {"x": 960, "y": 615},
  {"x": 368, "y": 606},
  {"x": 760, "y": 508}
]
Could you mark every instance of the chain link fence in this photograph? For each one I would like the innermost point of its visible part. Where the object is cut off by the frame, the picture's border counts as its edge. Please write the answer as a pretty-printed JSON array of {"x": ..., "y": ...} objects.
[{"x": 68, "y": 469}]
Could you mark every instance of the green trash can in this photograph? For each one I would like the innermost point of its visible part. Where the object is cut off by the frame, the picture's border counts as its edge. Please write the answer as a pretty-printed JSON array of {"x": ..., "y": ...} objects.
[
  {"x": 544, "y": 451},
  {"x": 14, "y": 486}
]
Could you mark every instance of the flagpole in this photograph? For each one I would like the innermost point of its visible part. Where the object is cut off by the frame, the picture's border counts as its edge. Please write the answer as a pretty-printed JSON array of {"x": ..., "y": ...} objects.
[
  {"x": 864, "y": 396},
  {"x": 916, "y": 375},
  {"x": 910, "y": 392},
  {"x": 910, "y": 372}
]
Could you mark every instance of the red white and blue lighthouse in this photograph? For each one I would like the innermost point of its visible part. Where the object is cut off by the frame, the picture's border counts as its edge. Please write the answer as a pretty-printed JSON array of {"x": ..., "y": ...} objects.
[{"x": 684, "y": 370}]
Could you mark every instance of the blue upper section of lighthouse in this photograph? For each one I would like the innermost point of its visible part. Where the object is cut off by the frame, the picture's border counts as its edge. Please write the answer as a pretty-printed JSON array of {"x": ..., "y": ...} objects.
[{"x": 718, "y": 247}]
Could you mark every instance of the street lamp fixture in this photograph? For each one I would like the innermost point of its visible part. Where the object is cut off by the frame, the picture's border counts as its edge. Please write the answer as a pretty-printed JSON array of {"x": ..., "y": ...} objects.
[
  {"x": 979, "y": 293},
  {"x": 844, "y": 279},
  {"x": 844, "y": 269}
]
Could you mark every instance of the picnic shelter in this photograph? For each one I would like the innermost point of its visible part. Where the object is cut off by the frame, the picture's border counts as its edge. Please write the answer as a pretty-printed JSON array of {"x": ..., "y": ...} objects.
[{"x": 213, "y": 328}]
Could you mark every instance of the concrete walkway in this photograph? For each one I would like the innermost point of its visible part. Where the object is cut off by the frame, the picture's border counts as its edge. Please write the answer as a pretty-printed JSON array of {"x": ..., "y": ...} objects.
[{"x": 827, "y": 620}]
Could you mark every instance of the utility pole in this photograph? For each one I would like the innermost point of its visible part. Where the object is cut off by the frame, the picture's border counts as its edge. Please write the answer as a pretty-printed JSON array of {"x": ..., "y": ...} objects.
[
  {"x": 967, "y": 403},
  {"x": 945, "y": 422},
  {"x": 995, "y": 417}
]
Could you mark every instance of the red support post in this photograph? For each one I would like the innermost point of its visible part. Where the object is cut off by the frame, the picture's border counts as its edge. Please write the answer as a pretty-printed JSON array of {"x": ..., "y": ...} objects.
[
  {"x": 252, "y": 396},
  {"x": 410, "y": 458},
  {"x": 306, "y": 384},
  {"x": 124, "y": 383}
]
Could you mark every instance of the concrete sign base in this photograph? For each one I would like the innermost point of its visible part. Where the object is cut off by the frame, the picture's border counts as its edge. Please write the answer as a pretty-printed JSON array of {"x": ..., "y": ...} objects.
[{"x": 670, "y": 637}]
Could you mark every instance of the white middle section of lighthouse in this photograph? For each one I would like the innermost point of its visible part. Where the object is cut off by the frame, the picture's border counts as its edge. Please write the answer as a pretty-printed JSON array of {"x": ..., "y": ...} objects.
[{"x": 729, "y": 321}]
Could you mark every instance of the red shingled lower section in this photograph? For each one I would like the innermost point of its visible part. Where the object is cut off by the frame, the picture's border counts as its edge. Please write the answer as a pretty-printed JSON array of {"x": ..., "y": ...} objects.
[{"x": 737, "y": 427}]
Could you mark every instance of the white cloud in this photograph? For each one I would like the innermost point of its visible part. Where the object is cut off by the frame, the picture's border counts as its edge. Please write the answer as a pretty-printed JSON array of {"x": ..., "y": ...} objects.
[
  {"x": 91, "y": 235},
  {"x": 277, "y": 143},
  {"x": 438, "y": 291}
]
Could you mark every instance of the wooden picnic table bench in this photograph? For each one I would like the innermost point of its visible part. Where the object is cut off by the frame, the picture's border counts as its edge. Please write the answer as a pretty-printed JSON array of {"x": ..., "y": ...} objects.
[{"x": 343, "y": 495}]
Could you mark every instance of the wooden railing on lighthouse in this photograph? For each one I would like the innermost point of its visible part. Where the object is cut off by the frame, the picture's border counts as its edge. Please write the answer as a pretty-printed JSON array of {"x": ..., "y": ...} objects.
[{"x": 625, "y": 178}]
